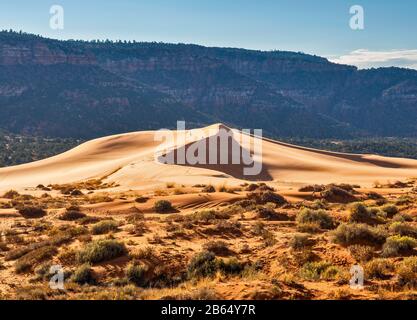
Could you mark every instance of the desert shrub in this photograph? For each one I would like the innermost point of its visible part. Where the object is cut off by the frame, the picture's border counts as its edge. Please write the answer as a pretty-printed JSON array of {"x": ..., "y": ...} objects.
[
  {"x": 300, "y": 241},
  {"x": 206, "y": 216},
  {"x": 390, "y": 210},
  {"x": 163, "y": 206},
  {"x": 137, "y": 274},
  {"x": 359, "y": 213},
  {"x": 11, "y": 194},
  {"x": 141, "y": 199},
  {"x": 105, "y": 226},
  {"x": 89, "y": 220},
  {"x": 403, "y": 229},
  {"x": 209, "y": 189},
  {"x": 312, "y": 188},
  {"x": 31, "y": 259},
  {"x": 76, "y": 193},
  {"x": 397, "y": 245},
  {"x": 402, "y": 217},
  {"x": 403, "y": 201},
  {"x": 407, "y": 272},
  {"x": 264, "y": 197},
  {"x": 231, "y": 266},
  {"x": 203, "y": 264},
  {"x": 83, "y": 275},
  {"x": 309, "y": 227},
  {"x": 350, "y": 234},
  {"x": 101, "y": 250},
  {"x": 217, "y": 247},
  {"x": 319, "y": 216},
  {"x": 362, "y": 253},
  {"x": 337, "y": 195},
  {"x": 71, "y": 216},
  {"x": 270, "y": 214},
  {"x": 321, "y": 270},
  {"x": 378, "y": 269},
  {"x": 32, "y": 212}
]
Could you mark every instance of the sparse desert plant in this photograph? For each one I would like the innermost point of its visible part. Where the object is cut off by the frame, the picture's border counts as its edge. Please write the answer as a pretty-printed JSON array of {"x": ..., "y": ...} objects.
[
  {"x": 206, "y": 216},
  {"x": 315, "y": 216},
  {"x": 203, "y": 264},
  {"x": 321, "y": 270},
  {"x": 11, "y": 194},
  {"x": 217, "y": 247},
  {"x": 336, "y": 194},
  {"x": 398, "y": 245},
  {"x": 163, "y": 206},
  {"x": 359, "y": 213},
  {"x": 31, "y": 259},
  {"x": 300, "y": 242},
  {"x": 402, "y": 217},
  {"x": 231, "y": 266},
  {"x": 362, "y": 253},
  {"x": 263, "y": 197},
  {"x": 350, "y": 234},
  {"x": 378, "y": 269},
  {"x": 309, "y": 227},
  {"x": 170, "y": 185},
  {"x": 101, "y": 250},
  {"x": 137, "y": 274},
  {"x": 72, "y": 216},
  {"x": 403, "y": 229},
  {"x": 141, "y": 199},
  {"x": 407, "y": 272},
  {"x": 32, "y": 212},
  {"x": 105, "y": 226},
  {"x": 390, "y": 210},
  {"x": 83, "y": 275}
]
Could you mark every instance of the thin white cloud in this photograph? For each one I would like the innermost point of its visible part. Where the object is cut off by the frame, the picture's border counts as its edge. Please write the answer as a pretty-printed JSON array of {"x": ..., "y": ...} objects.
[{"x": 364, "y": 58}]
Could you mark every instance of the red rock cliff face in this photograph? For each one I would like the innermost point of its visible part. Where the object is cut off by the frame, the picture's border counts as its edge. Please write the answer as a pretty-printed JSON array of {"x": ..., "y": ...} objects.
[{"x": 40, "y": 53}]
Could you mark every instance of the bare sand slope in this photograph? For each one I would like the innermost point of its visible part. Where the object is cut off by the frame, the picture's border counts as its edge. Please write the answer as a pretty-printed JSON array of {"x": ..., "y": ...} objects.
[{"x": 129, "y": 160}]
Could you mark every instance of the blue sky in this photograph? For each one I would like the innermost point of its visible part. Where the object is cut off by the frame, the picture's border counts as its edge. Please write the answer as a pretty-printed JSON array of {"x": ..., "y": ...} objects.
[{"x": 319, "y": 27}]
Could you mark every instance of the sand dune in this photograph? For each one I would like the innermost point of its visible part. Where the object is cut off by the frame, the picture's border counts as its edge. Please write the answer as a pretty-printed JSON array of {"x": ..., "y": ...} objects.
[{"x": 129, "y": 160}]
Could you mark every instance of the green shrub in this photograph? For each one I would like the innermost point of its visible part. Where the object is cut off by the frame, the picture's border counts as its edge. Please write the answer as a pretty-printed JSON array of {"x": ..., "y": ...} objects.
[
  {"x": 32, "y": 212},
  {"x": 316, "y": 216},
  {"x": 203, "y": 264},
  {"x": 407, "y": 272},
  {"x": 101, "y": 250},
  {"x": 350, "y": 234},
  {"x": 397, "y": 245},
  {"x": 137, "y": 274},
  {"x": 83, "y": 275},
  {"x": 163, "y": 206},
  {"x": 105, "y": 226}
]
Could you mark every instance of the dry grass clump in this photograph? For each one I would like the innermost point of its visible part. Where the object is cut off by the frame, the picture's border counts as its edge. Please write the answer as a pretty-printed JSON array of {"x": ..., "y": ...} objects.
[
  {"x": 100, "y": 251},
  {"x": 390, "y": 210},
  {"x": 207, "y": 216},
  {"x": 362, "y": 253},
  {"x": 31, "y": 259},
  {"x": 104, "y": 227},
  {"x": 320, "y": 217},
  {"x": 398, "y": 245},
  {"x": 350, "y": 234},
  {"x": 11, "y": 194},
  {"x": 137, "y": 274},
  {"x": 407, "y": 273},
  {"x": 268, "y": 213},
  {"x": 338, "y": 194},
  {"x": 32, "y": 212},
  {"x": 321, "y": 270},
  {"x": 378, "y": 269},
  {"x": 267, "y": 236},
  {"x": 300, "y": 242},
  {"x": 84, "y": 275},
  {"x": 403, "y": 229}
]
